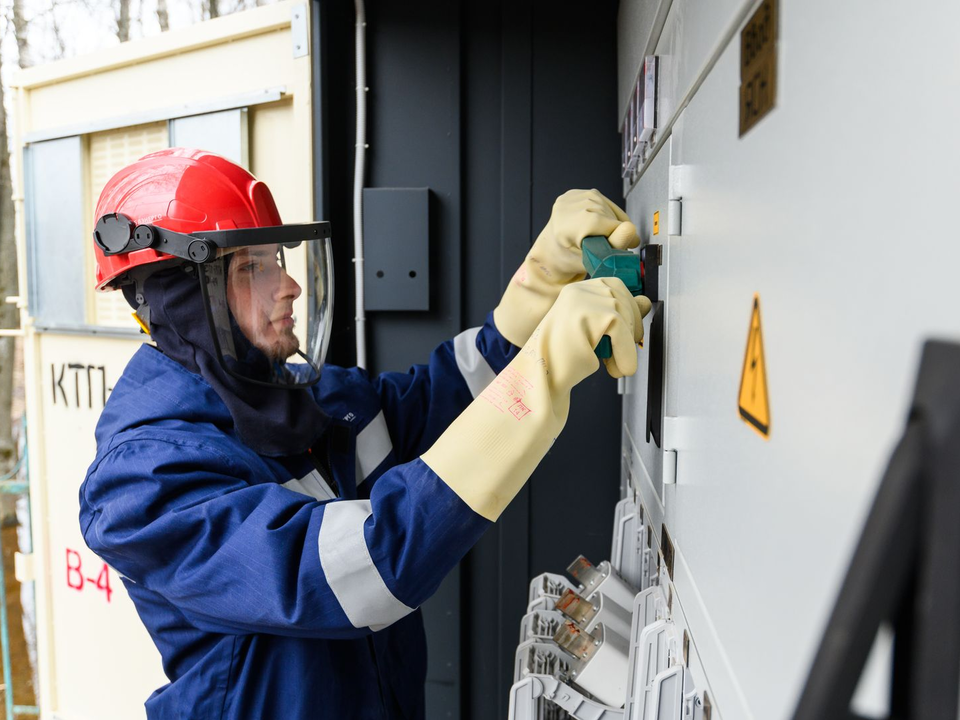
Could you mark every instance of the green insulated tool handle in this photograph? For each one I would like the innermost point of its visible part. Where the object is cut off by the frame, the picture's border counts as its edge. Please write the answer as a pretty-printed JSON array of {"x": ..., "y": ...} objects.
[{"x": 600, "y": 259}]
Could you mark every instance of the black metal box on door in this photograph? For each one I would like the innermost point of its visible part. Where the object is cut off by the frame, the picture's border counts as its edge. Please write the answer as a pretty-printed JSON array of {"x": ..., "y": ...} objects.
[{"x": 396, "y": 238}]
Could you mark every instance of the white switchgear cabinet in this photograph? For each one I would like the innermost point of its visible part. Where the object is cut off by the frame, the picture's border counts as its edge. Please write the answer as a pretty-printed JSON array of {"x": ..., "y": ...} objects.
[
  {"x": 239, "y": 85},
  {"x": 835, "y": 212},
  {"x": 836, "y": 209}
]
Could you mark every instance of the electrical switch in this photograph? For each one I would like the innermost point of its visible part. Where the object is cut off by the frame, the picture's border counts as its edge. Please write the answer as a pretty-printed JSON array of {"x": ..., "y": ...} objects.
[
  {"x": 601, "y": 661},
  {"x": 602, "y": 579},
  {"x": 600, "y": 611}
]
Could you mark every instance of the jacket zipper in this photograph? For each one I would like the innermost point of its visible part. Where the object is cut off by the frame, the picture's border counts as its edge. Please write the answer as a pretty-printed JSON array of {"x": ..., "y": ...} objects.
[{"x": 318, "y": 456}]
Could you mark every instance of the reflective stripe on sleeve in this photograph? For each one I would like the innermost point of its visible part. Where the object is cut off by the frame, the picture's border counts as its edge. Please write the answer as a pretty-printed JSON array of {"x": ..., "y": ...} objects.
[
  {"x": 350, "y": 572},
  {"x": 373, "y": 446},
  {"x": 471, "y": 363}
]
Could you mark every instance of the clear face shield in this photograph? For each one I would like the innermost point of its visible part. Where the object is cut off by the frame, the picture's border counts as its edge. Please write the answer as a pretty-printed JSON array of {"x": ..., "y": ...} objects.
[
  {"x": 267, "y": 291},
  {"x": 270, "y": 309}
]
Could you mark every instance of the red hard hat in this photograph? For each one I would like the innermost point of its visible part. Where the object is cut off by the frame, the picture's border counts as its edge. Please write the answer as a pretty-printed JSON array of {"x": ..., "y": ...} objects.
[{"x": 184, "y": 191}]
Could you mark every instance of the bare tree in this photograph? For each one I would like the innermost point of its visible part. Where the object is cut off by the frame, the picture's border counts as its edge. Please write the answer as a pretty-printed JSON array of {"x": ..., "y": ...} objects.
[
  {"x": 57, "y": 35},
  {"x": 212, "y": 7},
  {"x": 163, "y": 17},
  {"x": 123, "y": 20},
  {"x": 8, "y": 273},
  {"x": 20, "y": 31}
]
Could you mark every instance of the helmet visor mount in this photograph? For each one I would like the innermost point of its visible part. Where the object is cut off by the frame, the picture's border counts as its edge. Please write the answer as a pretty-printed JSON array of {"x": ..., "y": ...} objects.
[{"x": 267, "y": 292}]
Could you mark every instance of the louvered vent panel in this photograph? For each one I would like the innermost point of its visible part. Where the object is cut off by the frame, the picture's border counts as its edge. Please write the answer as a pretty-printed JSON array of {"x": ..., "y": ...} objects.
[{"x": 109, "y": 152}]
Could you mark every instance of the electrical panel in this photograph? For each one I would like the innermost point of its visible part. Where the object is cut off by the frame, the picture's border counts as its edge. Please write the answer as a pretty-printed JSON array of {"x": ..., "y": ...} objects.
[
  {"x": 608, "y": 641},
  {"x": 771, "y": 386}
]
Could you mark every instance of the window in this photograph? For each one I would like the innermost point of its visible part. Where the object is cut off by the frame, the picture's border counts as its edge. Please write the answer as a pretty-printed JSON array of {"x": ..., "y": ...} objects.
[{"x": 63, "y": 179}]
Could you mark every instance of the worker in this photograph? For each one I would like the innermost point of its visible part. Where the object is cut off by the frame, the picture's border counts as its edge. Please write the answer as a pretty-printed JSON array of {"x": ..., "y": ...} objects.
[{"x": 276, "y": 521}]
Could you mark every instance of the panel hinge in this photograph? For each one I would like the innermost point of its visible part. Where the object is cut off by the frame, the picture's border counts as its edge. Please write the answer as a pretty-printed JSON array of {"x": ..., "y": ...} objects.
[{"x": 675, "y": 217}]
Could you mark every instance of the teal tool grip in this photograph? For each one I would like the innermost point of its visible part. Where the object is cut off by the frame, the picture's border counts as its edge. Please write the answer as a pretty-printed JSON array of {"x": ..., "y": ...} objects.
[{"x": 600, "y": 259}]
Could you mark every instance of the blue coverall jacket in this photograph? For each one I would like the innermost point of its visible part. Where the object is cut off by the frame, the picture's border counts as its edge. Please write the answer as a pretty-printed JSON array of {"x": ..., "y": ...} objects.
[{"x": 271, "y": 592}]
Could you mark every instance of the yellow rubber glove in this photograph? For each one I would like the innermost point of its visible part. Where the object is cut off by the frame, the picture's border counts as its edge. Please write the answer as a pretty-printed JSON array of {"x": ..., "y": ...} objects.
[
  {"x": 555, "y": 260},
  {"x": 492, "y": 448}
]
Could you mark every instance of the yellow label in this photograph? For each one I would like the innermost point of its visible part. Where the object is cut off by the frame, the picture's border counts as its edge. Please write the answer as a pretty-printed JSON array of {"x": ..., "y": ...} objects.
[
  {"x": 656, "y": 223},
  {"x": 754, "y": 403}
]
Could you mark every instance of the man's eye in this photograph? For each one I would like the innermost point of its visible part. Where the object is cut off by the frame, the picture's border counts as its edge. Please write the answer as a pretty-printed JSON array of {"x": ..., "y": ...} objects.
[{"x": 248, "y": 267}]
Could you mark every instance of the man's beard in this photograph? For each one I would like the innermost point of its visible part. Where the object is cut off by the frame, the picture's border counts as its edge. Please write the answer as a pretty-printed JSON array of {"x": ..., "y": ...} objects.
[{"x": 285, "y": 347}]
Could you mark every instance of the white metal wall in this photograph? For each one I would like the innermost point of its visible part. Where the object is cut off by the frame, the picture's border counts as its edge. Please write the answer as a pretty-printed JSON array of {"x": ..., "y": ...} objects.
[{"x": 839, "y": 209}]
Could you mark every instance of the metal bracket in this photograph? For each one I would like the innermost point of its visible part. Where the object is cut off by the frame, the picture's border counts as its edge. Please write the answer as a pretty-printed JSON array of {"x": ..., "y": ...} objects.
[
  {"x": 298, "y": 31},
  {"x": 673, "y": 440}
]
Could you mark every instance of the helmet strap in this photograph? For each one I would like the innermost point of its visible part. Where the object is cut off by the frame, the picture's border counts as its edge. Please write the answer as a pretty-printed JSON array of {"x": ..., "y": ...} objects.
[{"x": 142, "y": 313}]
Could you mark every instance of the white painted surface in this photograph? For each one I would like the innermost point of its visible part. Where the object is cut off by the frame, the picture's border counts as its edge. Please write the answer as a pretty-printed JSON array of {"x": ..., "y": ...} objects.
[
  {"x": 101, "y": 661},
  {"x": 839, "y": 208}
]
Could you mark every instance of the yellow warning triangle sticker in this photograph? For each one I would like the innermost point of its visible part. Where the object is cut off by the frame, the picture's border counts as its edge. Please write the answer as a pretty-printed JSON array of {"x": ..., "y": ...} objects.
[{"x": 754, "y": 404}]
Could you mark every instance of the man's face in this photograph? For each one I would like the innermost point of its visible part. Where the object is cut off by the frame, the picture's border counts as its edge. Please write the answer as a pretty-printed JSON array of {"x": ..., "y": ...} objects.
[{"x": 260, "y": 295}]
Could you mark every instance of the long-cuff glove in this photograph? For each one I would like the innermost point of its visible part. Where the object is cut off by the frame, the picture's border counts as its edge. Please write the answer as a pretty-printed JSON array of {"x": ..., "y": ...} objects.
[
  {"x": 492, "y": 448},
  {"x": 555, "y": 260}
]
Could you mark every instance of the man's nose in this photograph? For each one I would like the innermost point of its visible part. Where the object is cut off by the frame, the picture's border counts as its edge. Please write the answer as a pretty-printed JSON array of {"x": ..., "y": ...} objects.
[{"x": 288, "y": 287}]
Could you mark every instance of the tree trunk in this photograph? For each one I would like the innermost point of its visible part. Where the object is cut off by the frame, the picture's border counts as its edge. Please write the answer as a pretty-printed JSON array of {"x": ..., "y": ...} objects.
[
  {"x": 20, "y": 30},
  {"x": 213, "y": 8},
  {"x": 162, "y": 16},
  {"x": 8, "y": 287},
  {"x": 123, "y": 21}
]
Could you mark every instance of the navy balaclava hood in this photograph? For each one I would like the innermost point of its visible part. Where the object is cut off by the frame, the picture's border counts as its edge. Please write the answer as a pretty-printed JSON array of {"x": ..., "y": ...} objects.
[{"x": 273, "y": 421}]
